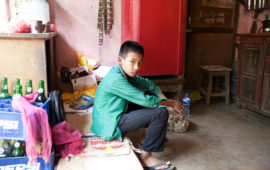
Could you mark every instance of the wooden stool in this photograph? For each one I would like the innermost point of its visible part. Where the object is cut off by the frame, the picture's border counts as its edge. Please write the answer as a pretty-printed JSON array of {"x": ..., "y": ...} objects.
[
  {"x": 172, "y": 84},
  {"x": 214, "y": 71}
]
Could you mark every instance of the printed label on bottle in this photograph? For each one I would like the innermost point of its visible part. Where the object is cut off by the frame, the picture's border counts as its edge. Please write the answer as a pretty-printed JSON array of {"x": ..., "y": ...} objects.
[
  {"x": 17, "y": 144},
  {"x": 29, "y": 89},
  {"x": 2, "y": 152},
  {"x": 40, "y": 90},
  {"x": 5, "y": 87}
]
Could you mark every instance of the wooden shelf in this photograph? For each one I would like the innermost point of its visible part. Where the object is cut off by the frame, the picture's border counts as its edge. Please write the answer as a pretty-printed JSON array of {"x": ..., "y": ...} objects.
[
  {"x": 28, "y": 56},
  {"x": 29, "y": 35},
  {"x": 263, "y": 34}
]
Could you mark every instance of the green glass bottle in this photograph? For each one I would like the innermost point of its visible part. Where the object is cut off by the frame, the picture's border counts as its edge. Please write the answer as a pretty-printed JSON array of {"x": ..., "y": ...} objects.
[
  {"x": 23, "y": 146},
  {"x": 4, "y": 148},
  {"x": 29, "y": 87},
  {"x": 17, "y": 92},
  {"x": 17, "y": 82},
  {"x": 4, "y": 89},
  {"x": 41, "y": 98},
  {"x": 17, "y": 151},
  {"x": 20, "y": 90}
]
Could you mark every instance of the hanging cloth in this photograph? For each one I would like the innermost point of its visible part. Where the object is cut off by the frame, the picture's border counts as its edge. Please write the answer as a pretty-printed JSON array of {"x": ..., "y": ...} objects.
[{"x": 35, "y": 120}]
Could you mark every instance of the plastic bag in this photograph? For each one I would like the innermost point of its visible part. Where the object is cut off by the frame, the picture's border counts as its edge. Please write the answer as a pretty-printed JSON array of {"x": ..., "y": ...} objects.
[
  {"x": 20, "y": 27},
  {"x": 67, "y": 142},
  {"x": 86, "y": 61},
  {"x": 57, "y": 112},
  {"x": 71, "y": 97}
]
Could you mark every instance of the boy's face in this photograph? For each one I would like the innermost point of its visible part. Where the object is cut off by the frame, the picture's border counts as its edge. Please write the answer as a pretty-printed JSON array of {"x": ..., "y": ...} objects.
[{"x": 131, "y": 65}]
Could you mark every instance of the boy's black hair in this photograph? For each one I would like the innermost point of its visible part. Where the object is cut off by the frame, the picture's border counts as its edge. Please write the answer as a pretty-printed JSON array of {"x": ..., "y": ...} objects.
[{"x": 130, "y": 46}]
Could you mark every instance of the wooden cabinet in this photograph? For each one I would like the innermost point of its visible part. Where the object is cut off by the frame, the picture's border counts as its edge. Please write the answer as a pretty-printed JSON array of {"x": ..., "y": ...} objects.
[
  {"x": 253, "y": 84},
  {"x": 28, "y": 56},
  {"x": 160, "y": 26}
]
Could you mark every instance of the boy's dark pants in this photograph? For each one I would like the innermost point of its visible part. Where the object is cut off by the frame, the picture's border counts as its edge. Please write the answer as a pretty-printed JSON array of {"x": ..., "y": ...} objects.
[{"x": 155, "y": 119}]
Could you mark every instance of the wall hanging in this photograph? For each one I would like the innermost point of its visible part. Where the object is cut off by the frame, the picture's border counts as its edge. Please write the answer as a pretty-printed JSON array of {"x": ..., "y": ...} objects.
[{"x": 105, "y": 18}]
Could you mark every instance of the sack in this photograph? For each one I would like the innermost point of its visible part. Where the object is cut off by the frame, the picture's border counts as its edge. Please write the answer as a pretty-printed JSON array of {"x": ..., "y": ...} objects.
[{"x": 177, "y": 125}]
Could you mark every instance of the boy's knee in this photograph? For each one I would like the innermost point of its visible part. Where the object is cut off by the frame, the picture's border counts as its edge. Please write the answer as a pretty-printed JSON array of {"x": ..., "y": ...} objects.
[{"x": 163, "y": 112}]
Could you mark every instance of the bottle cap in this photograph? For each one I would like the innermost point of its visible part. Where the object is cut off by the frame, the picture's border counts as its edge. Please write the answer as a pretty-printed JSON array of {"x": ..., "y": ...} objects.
[{"x": 186, "y": 94}]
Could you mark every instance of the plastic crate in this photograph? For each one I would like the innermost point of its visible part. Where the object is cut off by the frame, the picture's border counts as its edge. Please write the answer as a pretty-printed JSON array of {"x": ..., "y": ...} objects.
[
  {"x": 21, "y": 163},
  {"x": 11, "y": 125}
]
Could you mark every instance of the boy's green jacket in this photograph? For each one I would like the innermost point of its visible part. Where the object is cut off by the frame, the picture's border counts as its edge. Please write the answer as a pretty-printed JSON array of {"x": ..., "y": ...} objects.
[{"x": 111, "y": 101}]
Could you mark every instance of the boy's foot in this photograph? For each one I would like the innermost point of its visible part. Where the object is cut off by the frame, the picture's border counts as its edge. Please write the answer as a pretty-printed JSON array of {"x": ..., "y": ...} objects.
[{"x": 149, "y": 161}]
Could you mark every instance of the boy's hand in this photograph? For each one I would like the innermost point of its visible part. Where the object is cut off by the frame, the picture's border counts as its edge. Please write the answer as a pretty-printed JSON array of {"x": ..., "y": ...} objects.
[
  {"x": 176, "y": 105},
  {"x": 172, "y": 111}
]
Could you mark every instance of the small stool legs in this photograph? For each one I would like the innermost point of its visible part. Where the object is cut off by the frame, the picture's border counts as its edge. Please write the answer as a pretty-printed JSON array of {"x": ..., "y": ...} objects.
[
  {"x": 209, "y": 89},
  {"x": 227, "y": 84}
]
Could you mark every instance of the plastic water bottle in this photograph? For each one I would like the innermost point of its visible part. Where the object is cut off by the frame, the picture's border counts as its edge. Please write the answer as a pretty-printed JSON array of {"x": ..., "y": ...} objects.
[{"x": 186, "y": 104}]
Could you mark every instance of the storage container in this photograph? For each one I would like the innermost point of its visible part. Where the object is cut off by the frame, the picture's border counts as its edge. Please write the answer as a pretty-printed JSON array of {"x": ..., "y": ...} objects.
[{"x": 11, "y": 125}]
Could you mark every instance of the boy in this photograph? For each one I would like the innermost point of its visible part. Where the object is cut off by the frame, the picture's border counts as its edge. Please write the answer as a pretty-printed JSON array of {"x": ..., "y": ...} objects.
[{"x": 120, "y": 87}]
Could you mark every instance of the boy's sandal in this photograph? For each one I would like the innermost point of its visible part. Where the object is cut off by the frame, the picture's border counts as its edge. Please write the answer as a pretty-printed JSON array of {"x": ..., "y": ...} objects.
[{"x": 170, "y": 166}]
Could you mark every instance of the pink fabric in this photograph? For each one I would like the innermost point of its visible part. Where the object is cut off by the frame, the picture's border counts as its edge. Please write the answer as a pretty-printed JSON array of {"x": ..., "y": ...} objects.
[
  {"x": 31, "y": 97},
  {"x": 35, "y": 120},
  {"x": 67, "y": 141},
  {"x": 20, "y": 27}
]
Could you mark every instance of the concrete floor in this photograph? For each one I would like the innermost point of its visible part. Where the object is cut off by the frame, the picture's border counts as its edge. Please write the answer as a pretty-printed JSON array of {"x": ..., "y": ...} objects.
[{"x": 221, "y": 137}]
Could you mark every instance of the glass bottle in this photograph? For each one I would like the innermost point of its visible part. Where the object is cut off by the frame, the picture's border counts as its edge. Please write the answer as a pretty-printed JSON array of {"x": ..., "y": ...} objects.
[
  {"x": 4, "y": 148},
  {"x": 41, "y": 98},
  {"x": 4, "y": 89},
  {"x": 17, "y": 92},
  {"x": 17, "y": 151},
  {"x": 29, "y": 87},
  {"x": 20, "y": 90},
  {"x": 17, "y": 82}
]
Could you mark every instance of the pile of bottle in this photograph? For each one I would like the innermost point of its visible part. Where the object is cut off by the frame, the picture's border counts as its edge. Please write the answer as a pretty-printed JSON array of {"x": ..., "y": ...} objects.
[
  {"x": 12, "y": 148},
  {"x": 17, "y": 90}
]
